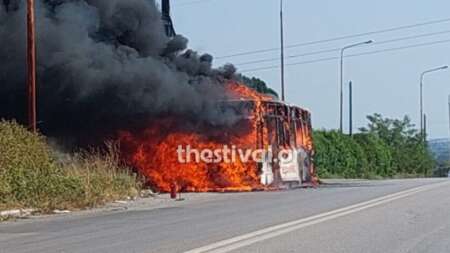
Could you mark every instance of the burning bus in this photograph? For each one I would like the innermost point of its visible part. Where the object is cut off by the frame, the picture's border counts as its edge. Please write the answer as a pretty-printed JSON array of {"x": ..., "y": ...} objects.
[
  {"x": 280, "y": 129},
  {"x": 262, "y": 123},
  {"x": 146, "y": 88}
]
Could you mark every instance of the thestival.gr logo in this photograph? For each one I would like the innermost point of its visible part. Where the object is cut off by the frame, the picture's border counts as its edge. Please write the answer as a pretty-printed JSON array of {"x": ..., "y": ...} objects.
[{"x": 232, "y": 154}]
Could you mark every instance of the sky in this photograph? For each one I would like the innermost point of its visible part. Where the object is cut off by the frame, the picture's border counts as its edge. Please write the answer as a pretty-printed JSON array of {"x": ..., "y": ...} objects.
[{"x": 385, "y": 83}]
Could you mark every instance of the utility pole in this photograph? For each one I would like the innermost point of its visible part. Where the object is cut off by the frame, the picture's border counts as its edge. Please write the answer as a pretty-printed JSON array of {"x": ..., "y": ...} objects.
[
  {"x": 282, "y": 50},
  {"x": 421, "y": 103},
  {"x": 350, "y": 103},
  {"x": 449, "y": 118},
  {"x": 425, "y": 129},
  {"x": 31, "y": 66}
]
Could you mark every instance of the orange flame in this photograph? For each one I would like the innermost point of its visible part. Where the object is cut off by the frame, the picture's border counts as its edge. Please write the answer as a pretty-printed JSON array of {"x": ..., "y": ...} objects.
[
  {"x": 244, "y": 92},
  {"x": 154, "y": 152}
]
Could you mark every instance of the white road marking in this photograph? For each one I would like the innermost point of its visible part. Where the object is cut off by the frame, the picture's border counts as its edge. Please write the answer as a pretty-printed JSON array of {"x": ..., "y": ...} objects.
[{"x": 277, "y": 230}]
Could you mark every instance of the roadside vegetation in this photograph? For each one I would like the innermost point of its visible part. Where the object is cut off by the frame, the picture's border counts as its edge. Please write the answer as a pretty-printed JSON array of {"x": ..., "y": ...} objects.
[
  {"x": 386, "y": 148},
  {"x": 258, "y": 85},
  {"x": 33, "y": 175}
]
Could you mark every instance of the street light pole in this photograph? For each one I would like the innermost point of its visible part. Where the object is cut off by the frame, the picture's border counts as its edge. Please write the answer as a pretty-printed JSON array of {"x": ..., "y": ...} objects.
[
  {"x": 341, "y": 86},
  {"x": 31, "y": 66},
  {"x": 282, "y": 50},
  {"x": 421, "y": 96}
]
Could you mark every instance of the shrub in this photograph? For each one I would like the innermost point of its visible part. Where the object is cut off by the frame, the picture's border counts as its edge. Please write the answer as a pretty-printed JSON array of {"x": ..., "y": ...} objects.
[
  {"x": 378, "y": 155},
  {"x": 28, "y": 173},
  {"x": 338, "y": 155},
  {"x": 386, "y": 148},
  {"x": 31, "y": 177},
  {"x": 104, "y": 177}
]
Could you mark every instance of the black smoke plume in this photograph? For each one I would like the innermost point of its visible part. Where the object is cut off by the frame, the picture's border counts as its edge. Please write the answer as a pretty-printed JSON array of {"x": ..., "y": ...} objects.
[{"x": 104, "y": 65}]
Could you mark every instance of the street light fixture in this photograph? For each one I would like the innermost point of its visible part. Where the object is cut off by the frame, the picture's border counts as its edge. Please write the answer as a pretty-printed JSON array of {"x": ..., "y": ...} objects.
[
  {"x": 341, "y": 105},
  {"x": 421, "y": 95}
]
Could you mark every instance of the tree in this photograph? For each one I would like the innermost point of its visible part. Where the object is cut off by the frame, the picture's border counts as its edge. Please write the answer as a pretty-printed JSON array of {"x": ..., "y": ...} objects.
[
  {"x": 409, "y": 152},
  {"x": 259, "y": 85}
]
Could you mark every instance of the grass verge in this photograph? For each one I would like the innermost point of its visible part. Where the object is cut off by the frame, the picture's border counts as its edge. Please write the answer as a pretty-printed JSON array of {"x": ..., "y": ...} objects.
[{"x": 32, "y": 177}]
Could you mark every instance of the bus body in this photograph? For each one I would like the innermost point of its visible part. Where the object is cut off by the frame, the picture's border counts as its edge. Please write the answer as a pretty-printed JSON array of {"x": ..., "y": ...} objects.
[{"x": 285, "y": 131}]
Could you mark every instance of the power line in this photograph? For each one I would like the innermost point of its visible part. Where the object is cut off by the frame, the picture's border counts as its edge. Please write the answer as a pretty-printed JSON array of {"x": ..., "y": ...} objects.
[
  {"x": 338, "y": 38},
  {"x": 352, "y": 55},
  {"x": 291, "y": 56},
  {"x": 337, "y": 49},
  {"x": 191, "y": 2}
]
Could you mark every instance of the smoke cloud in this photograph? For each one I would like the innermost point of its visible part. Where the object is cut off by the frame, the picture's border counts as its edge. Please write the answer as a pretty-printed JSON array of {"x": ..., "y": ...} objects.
[{"x": 104, "y": 65}]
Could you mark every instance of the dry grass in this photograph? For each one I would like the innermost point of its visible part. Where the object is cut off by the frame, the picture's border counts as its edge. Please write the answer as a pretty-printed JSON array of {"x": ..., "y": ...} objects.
[
  {"x": 31, "y": 177},
  {"x": 103, "y": 176}
]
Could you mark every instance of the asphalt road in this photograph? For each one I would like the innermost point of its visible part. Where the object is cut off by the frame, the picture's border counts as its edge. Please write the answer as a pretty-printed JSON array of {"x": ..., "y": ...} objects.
[{"x": 343, "y": 216}]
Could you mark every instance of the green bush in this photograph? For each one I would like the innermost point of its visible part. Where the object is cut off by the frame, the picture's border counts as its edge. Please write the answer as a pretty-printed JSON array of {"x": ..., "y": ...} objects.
[
  {"x": 338, "y": 156},
  {"x": 378, "y": 155},
  {"x": 31, "y": 177},
  {"x": 28, "y": 173},
  {"x": 386, "y": 148},
  {"x": 323, "y": 155}
]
